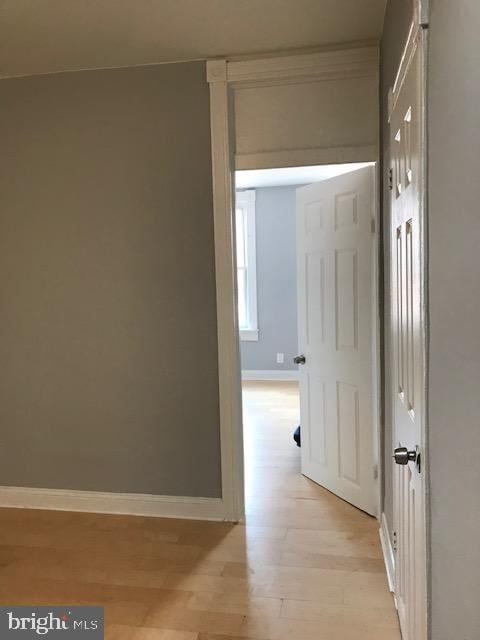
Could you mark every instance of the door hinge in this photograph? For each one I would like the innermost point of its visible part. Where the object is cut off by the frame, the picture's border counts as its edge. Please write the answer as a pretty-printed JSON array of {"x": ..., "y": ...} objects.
[
  {"x": 394, "y": 541},
  {"x": 372, "y": 225},
  {"x": 375, "y": 471},
  {"x": 390, "y": 179}
]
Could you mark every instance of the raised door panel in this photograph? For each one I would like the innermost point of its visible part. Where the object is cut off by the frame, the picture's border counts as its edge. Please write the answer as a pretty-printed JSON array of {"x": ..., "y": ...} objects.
[
  {"x": 346, "y": 211},
  {"x": 346, "y": 299},
  {"x": 316, "y": 427},
  {"x": 348, "y": 412},
  {"x": 315, "y": 298}
]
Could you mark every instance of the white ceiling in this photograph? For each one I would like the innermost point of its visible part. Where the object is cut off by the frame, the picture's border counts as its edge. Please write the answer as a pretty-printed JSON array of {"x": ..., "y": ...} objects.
[
  {"x": 292, "y": 176},
  {"x": 43, "y": 36}
]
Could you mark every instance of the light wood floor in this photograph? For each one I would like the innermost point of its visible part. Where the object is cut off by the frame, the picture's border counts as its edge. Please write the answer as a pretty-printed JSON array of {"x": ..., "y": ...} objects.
[{"x": 307, "y": 566}]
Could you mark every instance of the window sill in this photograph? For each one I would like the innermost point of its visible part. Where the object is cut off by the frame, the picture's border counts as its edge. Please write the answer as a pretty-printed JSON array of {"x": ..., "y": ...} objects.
[{"x": 249, "y": 335}]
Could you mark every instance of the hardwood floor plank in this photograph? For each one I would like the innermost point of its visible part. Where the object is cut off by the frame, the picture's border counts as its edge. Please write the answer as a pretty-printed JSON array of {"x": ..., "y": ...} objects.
[
  {"x": 258, "y": 628},
  {"x": 184, "y": 619},
  {"x": 245, "y": 604},
  {"x": 339, "y": 613},
  {"x": 125, "y": 632}
]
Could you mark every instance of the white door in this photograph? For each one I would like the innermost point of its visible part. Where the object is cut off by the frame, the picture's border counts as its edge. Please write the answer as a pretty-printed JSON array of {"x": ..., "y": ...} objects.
[
  {"x": 408, "y": 359},
  {"x": 335, "y": 328}
]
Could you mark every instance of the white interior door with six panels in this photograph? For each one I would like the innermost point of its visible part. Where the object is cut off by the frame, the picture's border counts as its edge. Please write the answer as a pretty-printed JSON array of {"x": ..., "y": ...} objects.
[
  {"x": 407, "y": 336},
  {"x": 335, "y": 261}
]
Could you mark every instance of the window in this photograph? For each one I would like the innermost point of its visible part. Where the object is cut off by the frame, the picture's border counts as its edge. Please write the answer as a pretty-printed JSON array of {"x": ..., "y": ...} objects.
[{"x": 246, "y": 265}]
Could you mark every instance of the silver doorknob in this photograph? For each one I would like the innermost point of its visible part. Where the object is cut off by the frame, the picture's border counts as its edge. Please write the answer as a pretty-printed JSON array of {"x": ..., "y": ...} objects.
[
  {"x": 402, "y": 455},
  {"x": 299, "y": 359}
]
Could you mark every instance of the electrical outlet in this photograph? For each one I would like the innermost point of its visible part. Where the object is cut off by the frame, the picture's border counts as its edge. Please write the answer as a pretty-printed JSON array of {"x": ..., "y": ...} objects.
[{"x": 280, "y": 358}]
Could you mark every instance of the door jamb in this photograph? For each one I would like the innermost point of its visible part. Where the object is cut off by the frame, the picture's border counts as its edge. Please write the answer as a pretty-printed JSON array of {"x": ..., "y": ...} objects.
[{"x": 223, "y": 76}]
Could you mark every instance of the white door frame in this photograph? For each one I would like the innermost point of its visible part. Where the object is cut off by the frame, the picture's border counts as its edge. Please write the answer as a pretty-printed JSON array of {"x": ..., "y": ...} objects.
[
  {"x": 417, "y": 39},
  {"x": 223, "y": 77}
]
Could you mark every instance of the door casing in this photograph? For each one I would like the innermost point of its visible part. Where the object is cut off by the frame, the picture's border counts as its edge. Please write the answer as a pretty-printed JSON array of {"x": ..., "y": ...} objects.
[{"x": 223, "y": 76}]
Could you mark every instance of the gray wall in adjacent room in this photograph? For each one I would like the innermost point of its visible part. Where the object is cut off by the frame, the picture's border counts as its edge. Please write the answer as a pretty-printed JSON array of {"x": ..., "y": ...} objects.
[
  {"x": 276, "y": 281},
  {"x": 398, "y": 17},
  {"x": 454, "y": 284},
  {"x": 108, "y": 342}
]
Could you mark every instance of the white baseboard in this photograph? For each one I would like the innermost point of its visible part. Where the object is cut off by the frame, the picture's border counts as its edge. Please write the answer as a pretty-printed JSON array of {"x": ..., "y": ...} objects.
[
  {"x": 135, "y": 504},
  {"x": 388, "y": 555},
  {"x": 280, "y": 374}
]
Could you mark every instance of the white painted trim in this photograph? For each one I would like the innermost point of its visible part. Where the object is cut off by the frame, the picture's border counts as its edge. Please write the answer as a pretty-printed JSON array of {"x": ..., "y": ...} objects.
[
  {"x": 388, "y": 554},
  {"x": 245, "y": 200},
  {"x": 306, "y": 157},
  {"x": 249, "y": 335},
  {"x": 421, "y": 12},
  {"x": 246, "y": 197},
  {"x": 377, "y": 311},
  {"x": 223, "y": 75},
  {"x": 133, "y": 504},
  {"x": 275, "y": 374},
  {"x": 329, "y": 64},
  {"x": 230, "y": 394}
]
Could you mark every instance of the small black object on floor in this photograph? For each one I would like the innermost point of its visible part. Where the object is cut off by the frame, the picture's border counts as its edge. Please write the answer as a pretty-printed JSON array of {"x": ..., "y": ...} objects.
[{"x": 296, "y": 436}]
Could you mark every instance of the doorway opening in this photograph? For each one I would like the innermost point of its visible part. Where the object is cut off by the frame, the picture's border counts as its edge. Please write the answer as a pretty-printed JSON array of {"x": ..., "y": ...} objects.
[{"x": 306, "y": 261}]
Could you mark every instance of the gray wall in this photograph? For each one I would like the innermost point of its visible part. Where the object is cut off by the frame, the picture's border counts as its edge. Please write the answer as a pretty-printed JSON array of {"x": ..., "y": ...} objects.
[
  {"x": 107, "y": 289},
  {"x": 454, "y": 282},
  {"x": 398, "y": 17},
  {"x": 276, "y": 281}
]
